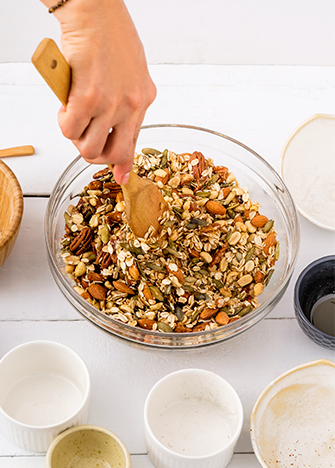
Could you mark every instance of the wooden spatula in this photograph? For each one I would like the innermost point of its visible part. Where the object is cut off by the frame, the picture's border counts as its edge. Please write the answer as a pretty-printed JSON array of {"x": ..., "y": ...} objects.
[{"x": 144, "y": 201}]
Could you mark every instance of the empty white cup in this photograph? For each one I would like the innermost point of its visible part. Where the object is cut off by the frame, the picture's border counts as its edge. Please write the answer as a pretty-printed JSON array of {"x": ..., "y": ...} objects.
[
  {"x": 192, "y": 419},
  {"x": 44, "y": 389}
]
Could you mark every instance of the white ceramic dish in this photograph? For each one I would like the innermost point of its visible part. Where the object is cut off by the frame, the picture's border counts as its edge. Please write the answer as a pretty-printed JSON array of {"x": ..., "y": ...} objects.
[
  {"x": 192, "y": 419},
  {"x": 44, "y": 389},
  {"x": 307, "y": 166},
  {"x": 293, "y": 420},
  {"x": 87, "y": 447}
]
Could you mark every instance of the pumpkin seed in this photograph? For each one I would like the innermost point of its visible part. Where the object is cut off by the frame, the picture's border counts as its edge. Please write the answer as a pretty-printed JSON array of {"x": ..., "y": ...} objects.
[
  {"x": 199, "y": 222},
  {"x": 154, "y": 266},
  {"x": 268, "y": 277},
  {"x": 173, "y": 252},
  {"x": 203, "y": 272},
  {"x": 104, "y": 234},
  {"x": 150, "y": 152},
  {"x": 268, "y": 226},
  {"x": 179, "y": 313},
  {"x": 156, "y": 293},
  {"x": 66, "y": 241},
  {"x": 217, "y": 283},
  {"x": 201, "y": 296},
  {"x": 164, "y": 158},
  {"x": 249, "y": 254},
  {"x": 245, "y": 310},
  {"x": 68, "y": 220},
  {"x": 229, "y": 234},
  {"x": 203, "y": 194},
  {"x": 164, "y": 327}
]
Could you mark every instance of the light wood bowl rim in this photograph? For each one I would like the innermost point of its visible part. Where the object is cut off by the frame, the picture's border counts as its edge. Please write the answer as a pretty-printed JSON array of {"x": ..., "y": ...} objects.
[{"x": 18, "y": 205}]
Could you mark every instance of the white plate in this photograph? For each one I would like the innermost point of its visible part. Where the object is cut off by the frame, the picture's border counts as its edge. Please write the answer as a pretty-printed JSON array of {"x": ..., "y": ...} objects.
[
  {"x": 292, "y": 423},
  {"x": 307, "y": 166}
]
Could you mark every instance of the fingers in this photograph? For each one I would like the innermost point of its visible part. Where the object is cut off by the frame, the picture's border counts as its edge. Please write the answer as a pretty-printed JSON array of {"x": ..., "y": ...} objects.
[
  {"x": 120, "y": 148},
  {"x": 99, "y": 144}
]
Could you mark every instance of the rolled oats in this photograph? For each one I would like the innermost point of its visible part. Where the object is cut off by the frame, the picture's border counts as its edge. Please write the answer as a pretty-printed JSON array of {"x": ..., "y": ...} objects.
[{"x": 206, "y": 268}]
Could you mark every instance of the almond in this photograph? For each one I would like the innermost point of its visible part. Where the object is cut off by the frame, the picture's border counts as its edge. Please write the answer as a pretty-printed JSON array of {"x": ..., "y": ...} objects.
[
  {"x": 94, "y": 277},
  {"x": 146, "y": 323},
  {"x": 147, "y": 293},
  {"x": 199, "y": 327},
  {"x": 222, "y": 318},
  {"x": 122, "y": 287},
  {"x": 225, "y": 192},
  {"x": 269, "y": 242},
  {"x": 134, "y": 273},
  {"x": 208, "y": 313},
  {"x": 259, "y": 220},
  {"x": 214, "y": 207},
  {"x": 98, "y": 291}
]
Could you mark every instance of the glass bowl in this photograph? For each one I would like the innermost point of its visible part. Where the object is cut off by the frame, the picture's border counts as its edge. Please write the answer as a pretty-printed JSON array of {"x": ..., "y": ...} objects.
[{"x": 264, "y": 186}]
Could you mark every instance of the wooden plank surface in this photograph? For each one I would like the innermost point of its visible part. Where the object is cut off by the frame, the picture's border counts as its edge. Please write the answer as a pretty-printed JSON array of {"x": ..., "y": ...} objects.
[{"x": 259, "y": 106}]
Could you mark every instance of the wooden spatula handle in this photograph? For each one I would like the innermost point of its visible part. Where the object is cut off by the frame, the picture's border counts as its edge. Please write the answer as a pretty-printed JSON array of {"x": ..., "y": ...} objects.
[
  {"x": 54, "y": 69},
  {"x": 17, "y": 151}
]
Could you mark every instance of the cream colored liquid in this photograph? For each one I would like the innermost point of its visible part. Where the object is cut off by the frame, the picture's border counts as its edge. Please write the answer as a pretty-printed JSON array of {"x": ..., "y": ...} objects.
[
  {"x": 42, "y": 400},
  {"x": 323, "y": 314},
  {"x": 194, "y": 427}
]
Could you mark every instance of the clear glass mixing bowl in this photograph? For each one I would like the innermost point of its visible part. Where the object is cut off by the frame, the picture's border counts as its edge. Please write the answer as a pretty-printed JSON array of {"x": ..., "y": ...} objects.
[{"x": 264, "y": 185}]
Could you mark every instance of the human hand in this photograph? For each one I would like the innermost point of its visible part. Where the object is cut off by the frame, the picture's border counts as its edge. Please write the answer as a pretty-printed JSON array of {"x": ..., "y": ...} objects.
[{"x": 111, "y": 87}]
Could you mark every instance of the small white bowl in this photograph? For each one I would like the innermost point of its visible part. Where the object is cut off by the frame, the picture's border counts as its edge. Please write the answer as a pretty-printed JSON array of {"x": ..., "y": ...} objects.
[
  {"x": 293, "y": 420},
  {"x": 87, "y": 446},
  {"x": 44, "y": 389},
  {"x": 192, "y": 419},
  {"x": 308, "y": 169}
]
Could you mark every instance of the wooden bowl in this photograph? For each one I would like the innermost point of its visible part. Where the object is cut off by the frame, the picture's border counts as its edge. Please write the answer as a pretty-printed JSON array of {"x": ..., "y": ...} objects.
[{"x": 11, "y": 210}]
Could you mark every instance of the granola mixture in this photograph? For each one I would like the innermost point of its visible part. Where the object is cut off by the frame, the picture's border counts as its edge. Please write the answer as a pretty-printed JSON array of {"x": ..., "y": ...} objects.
[{"x": 206, "y": 268}]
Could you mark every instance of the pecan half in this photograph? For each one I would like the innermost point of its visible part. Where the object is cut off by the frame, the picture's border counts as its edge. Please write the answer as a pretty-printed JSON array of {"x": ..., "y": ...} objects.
[
  {"x": 113, "y": 188},
  {"x": 102, "y": 173},
  {"x": 114, "y": 217},
  {"x": 222, "y": 171},
  {"x": 95, "y": 185},
  {"x": 82, "y": 242}
]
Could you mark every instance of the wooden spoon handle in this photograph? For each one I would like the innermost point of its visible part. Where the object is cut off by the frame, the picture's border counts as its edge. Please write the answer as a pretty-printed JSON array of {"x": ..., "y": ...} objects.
[
  {"x": 17, "y": 151},
  {"x": 54, "y": 69}
]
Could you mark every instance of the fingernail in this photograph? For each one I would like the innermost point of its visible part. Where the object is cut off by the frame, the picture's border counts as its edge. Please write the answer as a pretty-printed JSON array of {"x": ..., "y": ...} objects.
[{"x": 125, "y": 178}]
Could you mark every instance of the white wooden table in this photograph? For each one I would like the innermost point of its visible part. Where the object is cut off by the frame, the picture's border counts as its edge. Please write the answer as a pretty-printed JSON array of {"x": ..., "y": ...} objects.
[{"x": 259, "y": 106}]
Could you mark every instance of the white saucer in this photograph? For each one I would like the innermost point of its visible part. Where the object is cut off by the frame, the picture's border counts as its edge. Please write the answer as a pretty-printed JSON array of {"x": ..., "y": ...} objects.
[
  {"x": 293, "y": 420},
  {"x": 307, "y": 166}
]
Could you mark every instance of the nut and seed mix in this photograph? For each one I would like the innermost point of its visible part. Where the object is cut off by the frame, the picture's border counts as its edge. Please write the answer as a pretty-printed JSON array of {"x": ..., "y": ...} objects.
[{"x": 207, "y": 266}]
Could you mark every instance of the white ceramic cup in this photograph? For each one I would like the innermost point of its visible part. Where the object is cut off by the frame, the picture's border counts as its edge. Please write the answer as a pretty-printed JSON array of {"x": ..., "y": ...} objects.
[
  {"x": 44, "y": 389},
  {"x": 192, "y": 419},
  {"x": 87, "y": 447}
]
